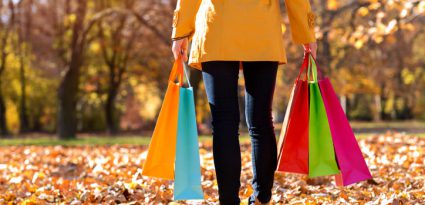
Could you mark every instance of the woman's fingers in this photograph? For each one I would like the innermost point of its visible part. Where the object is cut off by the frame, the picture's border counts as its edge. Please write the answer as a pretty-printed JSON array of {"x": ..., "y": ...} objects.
[
  {"x": 180, "y": 48},
  {"x": 184, "y": 55},
  {"x": 176, "y": 49},
  {"x": 311, "y": 48},
  {"x": 184, "y": 50}
]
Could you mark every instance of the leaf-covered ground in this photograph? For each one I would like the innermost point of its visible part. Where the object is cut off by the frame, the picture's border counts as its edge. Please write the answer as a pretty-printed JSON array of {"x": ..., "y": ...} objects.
[{"x": 111, "y": 174}]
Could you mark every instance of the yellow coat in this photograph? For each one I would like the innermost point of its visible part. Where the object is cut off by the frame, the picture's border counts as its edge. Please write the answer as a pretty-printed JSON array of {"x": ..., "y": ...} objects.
[{"x": 240, "y": 30}]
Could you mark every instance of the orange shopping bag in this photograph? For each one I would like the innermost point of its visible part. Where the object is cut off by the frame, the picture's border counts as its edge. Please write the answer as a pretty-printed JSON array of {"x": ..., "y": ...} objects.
[{"x": 162, "y": 148}]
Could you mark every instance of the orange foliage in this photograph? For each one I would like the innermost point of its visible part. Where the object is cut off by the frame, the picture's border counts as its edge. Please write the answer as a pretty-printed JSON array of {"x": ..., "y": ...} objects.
[{"x": 111, "y": 174}]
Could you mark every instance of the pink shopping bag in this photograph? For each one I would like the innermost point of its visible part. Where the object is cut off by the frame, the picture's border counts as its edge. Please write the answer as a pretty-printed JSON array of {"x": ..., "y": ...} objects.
[{"x": 349, "y": 156}]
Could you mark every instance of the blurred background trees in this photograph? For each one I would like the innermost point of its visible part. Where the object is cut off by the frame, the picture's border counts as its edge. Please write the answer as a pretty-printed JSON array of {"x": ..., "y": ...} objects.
[{"x": 69, "y": 66}]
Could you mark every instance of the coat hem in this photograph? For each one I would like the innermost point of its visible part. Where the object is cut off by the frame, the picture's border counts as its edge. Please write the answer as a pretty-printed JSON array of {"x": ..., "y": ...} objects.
[{"x": 197, "y": 64}]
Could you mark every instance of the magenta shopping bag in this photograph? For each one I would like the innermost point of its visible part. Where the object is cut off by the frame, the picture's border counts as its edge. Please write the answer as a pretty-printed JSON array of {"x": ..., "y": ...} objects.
[{"x": 349, "y": 156}]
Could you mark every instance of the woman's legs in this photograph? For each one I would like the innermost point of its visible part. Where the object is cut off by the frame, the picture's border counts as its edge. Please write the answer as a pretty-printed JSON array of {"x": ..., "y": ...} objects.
[
  {"x": 221, "y": 84},
  {"x": 260, "y": 80}
]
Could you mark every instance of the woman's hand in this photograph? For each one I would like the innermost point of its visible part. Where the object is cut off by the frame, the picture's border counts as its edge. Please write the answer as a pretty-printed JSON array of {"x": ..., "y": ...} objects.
[
  {"x": 180, "y": 48},
  {"x": 312, "y": 48}
]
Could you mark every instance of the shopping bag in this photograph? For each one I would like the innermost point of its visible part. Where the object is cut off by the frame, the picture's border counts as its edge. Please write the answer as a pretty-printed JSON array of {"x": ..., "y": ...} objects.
[
  {"x": 187, "y": 182},
  {"x": 162, "y": 148},
  {"x": 322, "y": 160},
  {"x": 293, "y": 155},
  {"x": 331, "y": 145},
  {"x": 348, "y": 154},
  {"x": 285, "y": 122}
]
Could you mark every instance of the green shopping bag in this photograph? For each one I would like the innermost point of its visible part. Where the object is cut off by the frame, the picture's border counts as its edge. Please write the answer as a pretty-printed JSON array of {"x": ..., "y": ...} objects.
[{"x": 321, "y": 155}]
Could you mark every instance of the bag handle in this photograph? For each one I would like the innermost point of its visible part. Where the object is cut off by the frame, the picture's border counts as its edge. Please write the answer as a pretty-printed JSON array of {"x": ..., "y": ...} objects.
[
  {"x": 187, "y": 77},
  {"x": 310, "y": 68},
  {"x": 304, "y": 66},
  {"x": 316, "y": 71},
  {"x": 177, "y": 72}
]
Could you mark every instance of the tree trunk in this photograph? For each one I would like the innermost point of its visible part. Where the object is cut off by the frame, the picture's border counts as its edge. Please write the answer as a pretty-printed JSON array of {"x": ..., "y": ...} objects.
[
  {"x": 378, "y": 108},
  {"x": 24, "y": 36},
  {"x": 3, "y": 120},
  {"x": 23, "y": 108},
  {"x": 67, "y": 118},
  {"x": 3, "y": 125},
  {"x": 110, "y": 110},
  {"x": 3, "y": 44},
  {"x": 68, "y": 90}
]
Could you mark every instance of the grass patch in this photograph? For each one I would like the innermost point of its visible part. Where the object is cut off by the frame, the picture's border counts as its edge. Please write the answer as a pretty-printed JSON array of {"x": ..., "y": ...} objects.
[
  {"x": 388, "y": 125},
  {"x": 51, "y": 141},
  {"x": 121, "y": 140},
  {"x": 91, "y": 141}
]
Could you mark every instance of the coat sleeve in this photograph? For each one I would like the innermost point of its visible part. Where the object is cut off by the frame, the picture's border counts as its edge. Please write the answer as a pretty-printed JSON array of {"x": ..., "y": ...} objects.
[
  {"x": 301, "y": 20},
  {"x": 184, "y": 19}
]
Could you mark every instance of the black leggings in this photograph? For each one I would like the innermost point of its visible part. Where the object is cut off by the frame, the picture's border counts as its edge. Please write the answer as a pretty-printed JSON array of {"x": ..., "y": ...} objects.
[{"x": 221, "y": 84}]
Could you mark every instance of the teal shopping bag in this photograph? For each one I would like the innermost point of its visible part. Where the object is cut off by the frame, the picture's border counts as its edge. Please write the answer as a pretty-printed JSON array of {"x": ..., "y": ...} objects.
[
  {"x": 187, "y": 178},
  {"x": 322, "y": 160}
]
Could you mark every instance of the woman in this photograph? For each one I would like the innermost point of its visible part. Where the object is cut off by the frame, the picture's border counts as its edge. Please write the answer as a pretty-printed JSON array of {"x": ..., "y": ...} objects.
[{"x": 228, "y": 35}]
